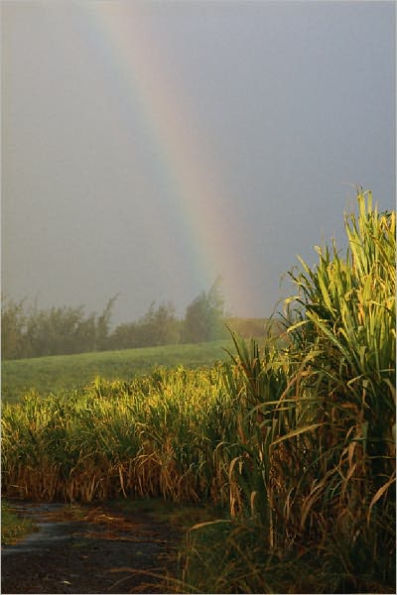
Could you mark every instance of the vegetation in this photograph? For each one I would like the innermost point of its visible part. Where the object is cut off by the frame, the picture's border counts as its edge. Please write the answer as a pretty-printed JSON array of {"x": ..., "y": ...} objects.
[
  {"x": 204, "y": 319},
  {"x": 30, "y": 332},
  {"x": 312, "y": 491},
  {"x": 154, "y": 435},
  {"x": 294, "y": 443},
  {"x": 13, "y": 527},
  {"x": 254, "y": 328},
  {"x": 57, "y": 374},
  {"x": 157, "y": 327}
]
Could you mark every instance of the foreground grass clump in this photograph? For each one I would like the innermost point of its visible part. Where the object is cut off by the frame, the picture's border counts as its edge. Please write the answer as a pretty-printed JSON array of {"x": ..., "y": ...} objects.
[
  {"x": 294, "y": 443},
  {"x": 13, "y": 527}
]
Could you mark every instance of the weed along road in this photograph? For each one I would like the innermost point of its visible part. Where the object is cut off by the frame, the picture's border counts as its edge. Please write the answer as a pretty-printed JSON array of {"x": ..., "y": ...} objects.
[{"x": 89, "y": 549}]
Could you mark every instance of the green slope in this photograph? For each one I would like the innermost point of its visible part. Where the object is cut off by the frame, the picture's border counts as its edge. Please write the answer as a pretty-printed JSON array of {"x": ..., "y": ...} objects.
[{"x": 66, "y": 372}]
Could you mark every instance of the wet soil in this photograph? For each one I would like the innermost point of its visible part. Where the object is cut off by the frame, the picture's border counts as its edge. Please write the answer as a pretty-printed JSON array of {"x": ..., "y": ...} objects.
[{"x": 90, "y": 549}]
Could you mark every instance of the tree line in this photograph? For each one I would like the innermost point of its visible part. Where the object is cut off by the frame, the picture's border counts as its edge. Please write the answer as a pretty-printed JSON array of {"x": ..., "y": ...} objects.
[{"x": 27, "y": 331}]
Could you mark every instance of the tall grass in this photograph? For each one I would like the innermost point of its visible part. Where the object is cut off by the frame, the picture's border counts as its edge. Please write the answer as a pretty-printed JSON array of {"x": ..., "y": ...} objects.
[
  {"x": 152, "y": 436},
  {"x": 315, "y": 487},
  {"x": 295, "y": 443}
]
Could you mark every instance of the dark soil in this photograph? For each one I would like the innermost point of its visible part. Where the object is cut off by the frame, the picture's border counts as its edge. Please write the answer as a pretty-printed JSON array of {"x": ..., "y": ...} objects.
[{"x": 91, "y": 550}]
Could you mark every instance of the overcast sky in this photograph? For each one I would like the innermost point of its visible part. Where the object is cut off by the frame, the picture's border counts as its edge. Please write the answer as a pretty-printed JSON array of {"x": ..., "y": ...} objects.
[{"x": 148, "y": 147}]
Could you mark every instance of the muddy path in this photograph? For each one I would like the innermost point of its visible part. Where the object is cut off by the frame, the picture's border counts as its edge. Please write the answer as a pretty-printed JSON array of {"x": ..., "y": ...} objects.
[{"x": 90, "y": 549}]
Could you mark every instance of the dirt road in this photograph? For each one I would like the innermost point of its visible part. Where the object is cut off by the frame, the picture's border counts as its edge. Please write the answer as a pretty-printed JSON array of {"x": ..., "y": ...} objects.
[{"x": 90, "y": 550}]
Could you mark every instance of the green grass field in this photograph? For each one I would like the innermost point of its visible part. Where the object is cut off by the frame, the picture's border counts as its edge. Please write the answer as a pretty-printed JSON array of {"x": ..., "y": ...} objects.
[{"x": 58, "y": 373}]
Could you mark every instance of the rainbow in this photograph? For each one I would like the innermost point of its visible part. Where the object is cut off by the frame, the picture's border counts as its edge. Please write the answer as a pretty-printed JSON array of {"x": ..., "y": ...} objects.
[{"x": 203, "y": 214}]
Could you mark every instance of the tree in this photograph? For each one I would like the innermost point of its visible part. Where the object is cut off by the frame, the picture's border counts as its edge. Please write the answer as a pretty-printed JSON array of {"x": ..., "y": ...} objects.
[
  {"x": 13, "y": 324},
  {"x": 204, "y": 319},
  {"x": 125, "y": 336},
  {"x": 102, "y": 325},
  {"x": 31, "y": 332},
  {"x": 159, "y": 326}
]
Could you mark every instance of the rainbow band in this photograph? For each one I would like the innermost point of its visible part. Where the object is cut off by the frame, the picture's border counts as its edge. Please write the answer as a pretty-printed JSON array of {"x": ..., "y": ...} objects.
[{"x": 215, "y": 237}]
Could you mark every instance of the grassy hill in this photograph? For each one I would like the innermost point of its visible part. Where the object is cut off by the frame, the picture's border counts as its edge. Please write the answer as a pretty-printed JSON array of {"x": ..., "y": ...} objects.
[{"x": 57, "y": 373}]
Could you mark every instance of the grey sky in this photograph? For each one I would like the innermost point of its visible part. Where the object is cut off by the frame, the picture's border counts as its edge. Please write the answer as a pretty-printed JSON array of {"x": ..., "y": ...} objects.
[{"x": 283, "y": 107}]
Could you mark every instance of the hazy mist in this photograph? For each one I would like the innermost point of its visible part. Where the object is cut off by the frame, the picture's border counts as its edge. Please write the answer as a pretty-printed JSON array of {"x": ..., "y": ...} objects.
[{"x": 149, "y": 147}]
